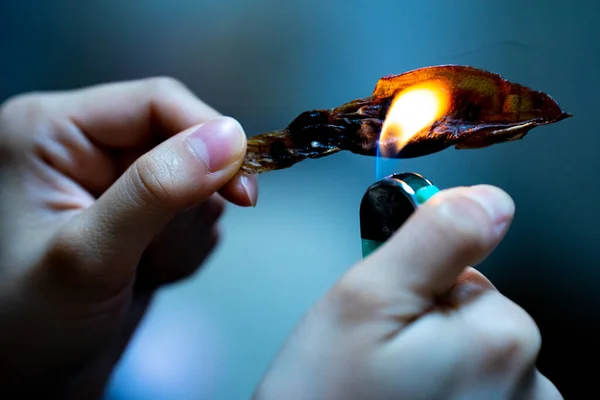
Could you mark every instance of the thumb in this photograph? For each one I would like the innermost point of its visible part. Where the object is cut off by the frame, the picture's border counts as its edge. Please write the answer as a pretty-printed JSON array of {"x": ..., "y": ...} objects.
[
  {"x": 453, "y": 230},
  {"x": 178, "y": 174}
]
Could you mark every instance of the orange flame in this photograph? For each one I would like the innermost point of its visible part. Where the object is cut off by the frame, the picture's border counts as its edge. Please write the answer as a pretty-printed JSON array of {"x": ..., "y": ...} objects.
[{"x": 412, "y": 110}]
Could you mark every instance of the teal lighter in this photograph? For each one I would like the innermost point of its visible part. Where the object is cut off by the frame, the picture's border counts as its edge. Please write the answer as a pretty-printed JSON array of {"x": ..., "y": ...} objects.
[{"x": 388, "y": 203}]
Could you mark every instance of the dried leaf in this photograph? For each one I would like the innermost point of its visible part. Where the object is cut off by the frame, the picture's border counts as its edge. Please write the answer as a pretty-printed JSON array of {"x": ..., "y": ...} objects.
[{"x": 484, "y": 109}]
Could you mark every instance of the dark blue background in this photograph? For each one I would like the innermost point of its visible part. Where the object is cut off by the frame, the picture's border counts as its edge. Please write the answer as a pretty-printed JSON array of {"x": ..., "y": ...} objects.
[{"x": 263, "y": 62}]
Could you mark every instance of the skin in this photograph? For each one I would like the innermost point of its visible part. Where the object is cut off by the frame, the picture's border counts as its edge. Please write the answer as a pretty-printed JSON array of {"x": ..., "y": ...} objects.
[
  {"x": 110, "y": 192},
  {"x": 411, "y": 322},
  {"x": 103, "y": 201}
]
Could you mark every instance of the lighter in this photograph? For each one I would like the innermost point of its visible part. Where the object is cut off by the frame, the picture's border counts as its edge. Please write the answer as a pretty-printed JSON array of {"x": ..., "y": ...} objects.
[{"x": 388, "y": 203}]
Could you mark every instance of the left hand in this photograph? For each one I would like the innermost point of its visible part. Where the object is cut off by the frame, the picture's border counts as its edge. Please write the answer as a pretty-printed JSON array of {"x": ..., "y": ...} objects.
[{"x": 106, "y": 194}]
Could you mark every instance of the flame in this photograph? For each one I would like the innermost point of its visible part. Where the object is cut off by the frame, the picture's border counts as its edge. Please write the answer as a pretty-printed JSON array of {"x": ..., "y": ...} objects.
[{"x": 412, "y": 110}]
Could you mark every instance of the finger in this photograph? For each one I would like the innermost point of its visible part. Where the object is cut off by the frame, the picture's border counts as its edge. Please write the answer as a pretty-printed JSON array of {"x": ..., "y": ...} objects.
[
  {"x": 183, "y": 245},
  {"x": 31, "y": 126},
  {"x": 162, "y": 268},
  {"x": 241, "y": 190},
  {"x": 175, "y": 176},
  {"x": 489, "y": 342},
  {"x": 456, "y": 228},
  {"x": 126, "y": 114},
  {"x": 504, "y": 339},
  {"x": 540, "y": 388},
  {"x": 81, "y": 127}
]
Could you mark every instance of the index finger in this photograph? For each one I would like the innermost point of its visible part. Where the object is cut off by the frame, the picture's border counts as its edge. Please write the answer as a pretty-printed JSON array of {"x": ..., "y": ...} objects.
[
  {"x": 128, "y": 114},
  {"x": 142, "y": 113}
]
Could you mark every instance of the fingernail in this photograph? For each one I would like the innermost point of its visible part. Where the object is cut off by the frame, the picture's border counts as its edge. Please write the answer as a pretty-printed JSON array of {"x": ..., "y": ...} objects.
[
  {"x": 218, "y": 142},
  {"x": 498, "y": 204},
  {"x": 249, "y": 188}
]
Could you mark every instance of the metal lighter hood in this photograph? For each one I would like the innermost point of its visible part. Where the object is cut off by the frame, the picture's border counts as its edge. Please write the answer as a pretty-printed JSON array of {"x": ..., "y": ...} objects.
[{"x": 387, "y": 204}]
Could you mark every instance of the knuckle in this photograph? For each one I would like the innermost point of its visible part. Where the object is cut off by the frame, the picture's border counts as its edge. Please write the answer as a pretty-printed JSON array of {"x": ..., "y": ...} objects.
[
  {"x": 24, "y": 106},
  {"x": 20, "y": 118},
  {"x": 355, "y": 299},
  {"x": 163, "y": 84},
  {"x": 152, "y": 182},
  {"x": 515, "y": 342},
  {"x": 69, "y": 255},
  {"x": 18, "y": 103}
]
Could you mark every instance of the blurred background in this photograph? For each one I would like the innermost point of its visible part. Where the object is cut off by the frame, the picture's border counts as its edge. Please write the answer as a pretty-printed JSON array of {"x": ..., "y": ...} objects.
[{"x": 265, "y": 61}]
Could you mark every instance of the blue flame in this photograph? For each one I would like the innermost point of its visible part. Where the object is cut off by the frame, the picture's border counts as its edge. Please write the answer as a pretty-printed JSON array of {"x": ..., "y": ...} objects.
[
  {"x": 380, "y": 169},
  {"x": 377, "y": 165}
]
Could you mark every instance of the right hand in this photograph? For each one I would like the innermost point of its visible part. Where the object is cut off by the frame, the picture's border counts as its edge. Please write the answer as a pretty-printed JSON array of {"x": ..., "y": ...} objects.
[{"x": 411, "y": 322}]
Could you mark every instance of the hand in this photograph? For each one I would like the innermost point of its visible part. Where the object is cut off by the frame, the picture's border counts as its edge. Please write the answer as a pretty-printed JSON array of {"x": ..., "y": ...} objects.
[
  {"x": 411, "y": 322},
  {"x": 106, "y": 194}
]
